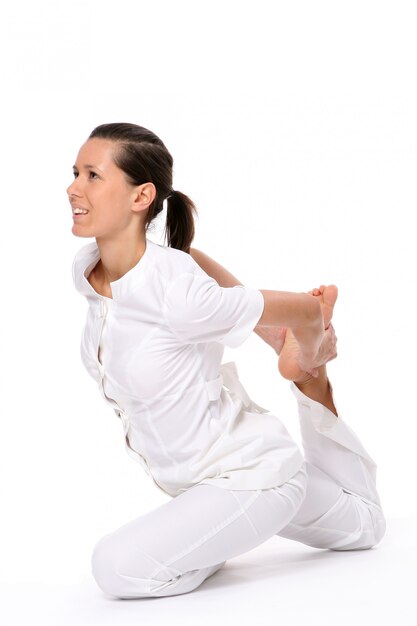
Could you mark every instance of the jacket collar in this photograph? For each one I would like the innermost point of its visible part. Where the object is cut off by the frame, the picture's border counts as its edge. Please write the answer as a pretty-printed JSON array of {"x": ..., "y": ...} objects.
[{"x": 88, "y": 256}]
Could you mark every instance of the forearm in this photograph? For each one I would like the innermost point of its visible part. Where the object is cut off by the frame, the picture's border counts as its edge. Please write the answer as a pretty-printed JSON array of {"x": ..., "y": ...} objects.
[{"x": 299, "y": 311}]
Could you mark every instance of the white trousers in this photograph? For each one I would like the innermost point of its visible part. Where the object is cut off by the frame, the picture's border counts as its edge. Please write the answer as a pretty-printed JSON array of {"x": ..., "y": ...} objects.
[{"x": 332, "y": 502}]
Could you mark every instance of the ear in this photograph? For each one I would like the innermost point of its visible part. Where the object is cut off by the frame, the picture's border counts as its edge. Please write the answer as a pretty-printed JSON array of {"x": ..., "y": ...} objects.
[{"x": 143, "y": 196}]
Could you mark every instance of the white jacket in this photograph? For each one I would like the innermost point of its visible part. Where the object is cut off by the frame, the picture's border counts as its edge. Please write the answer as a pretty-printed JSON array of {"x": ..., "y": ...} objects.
[{"x": 160, "y": 340}]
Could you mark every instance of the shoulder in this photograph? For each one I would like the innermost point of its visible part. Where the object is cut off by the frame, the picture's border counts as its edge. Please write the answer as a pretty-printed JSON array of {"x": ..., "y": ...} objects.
[{"x": 172, "y": 263}]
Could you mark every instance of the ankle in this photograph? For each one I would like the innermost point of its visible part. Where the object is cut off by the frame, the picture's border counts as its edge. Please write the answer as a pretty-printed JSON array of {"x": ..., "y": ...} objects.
[{"x": 318, "y": 389}]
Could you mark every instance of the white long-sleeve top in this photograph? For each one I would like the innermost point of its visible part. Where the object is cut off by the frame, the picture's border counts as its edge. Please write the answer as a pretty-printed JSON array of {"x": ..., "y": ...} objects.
[{"x": 155, "y": 349}]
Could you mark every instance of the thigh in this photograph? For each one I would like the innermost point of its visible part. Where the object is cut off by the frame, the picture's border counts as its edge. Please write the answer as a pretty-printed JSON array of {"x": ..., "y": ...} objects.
[{"x": 201, "y": 528}]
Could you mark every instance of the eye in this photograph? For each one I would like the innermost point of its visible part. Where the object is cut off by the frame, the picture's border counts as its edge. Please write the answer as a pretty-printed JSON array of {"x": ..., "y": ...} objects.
[
  {"x": 93, "y": 175},
  {"x": 75, "y": 174}
]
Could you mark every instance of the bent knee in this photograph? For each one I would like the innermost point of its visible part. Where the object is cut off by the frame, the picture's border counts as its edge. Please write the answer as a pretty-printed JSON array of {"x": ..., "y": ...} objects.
[
  {"x": 125, "y": 572},
  {"x": 370, "y": 535},
  {"x": 104, "y": 566}
]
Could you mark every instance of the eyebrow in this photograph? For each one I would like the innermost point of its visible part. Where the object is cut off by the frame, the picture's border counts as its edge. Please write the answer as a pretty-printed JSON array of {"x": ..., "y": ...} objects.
[{"x": 88, "y": 166}]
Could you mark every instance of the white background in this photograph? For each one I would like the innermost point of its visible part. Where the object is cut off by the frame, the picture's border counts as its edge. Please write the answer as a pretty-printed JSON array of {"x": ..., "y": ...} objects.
[{"x": 293, "y": 128}]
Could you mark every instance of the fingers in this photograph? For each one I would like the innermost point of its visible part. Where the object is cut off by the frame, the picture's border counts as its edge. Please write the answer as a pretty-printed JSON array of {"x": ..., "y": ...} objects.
[
  {"x": 333, "y": 344},
  {"x": 317, "y": 291}
]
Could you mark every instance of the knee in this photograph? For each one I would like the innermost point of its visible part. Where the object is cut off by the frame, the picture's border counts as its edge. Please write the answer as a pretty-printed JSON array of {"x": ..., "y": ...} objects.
[
  {"x": 380, "y": 527},
  {"x": 104, "y": 566},
  {"x": 124, "y": 572},
  {"x": 371, "y": 533}
]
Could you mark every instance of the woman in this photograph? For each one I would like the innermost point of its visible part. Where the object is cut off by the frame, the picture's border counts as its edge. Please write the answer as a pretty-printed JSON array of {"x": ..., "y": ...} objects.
[{"x": 157, "y": 323}]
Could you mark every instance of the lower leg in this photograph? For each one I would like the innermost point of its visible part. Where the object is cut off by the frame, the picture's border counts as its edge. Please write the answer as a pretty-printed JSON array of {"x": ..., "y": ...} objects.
[
  {"x": 330, "y": 443},
  {"x": 342, "y": 508},
  {"x": 331, "y": 517},
  {"x": 318, "y": 389}
]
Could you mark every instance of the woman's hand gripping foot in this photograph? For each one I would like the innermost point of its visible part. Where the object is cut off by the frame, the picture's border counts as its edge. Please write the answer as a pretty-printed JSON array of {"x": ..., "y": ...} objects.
[{"x": 288, "y": 362}]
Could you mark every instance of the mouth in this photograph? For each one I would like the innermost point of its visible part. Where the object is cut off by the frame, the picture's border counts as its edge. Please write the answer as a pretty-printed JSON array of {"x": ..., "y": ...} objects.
[{"x": 78, "y": 213}]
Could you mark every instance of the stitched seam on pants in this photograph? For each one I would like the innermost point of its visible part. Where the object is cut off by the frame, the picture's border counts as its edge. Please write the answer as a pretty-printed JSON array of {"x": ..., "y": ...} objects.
[
  {"x": 208, "y": 536},
  {"x": 315, "y": 527},
  {"x": 244, "y": 512}
]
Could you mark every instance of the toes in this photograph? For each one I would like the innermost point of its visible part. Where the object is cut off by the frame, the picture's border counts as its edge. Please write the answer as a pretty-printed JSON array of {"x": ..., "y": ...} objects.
[{"x": 332, "y": 294}]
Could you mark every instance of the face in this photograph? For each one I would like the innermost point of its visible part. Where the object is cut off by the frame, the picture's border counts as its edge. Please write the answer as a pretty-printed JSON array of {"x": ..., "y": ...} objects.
[{"x": 102, "y": 189}]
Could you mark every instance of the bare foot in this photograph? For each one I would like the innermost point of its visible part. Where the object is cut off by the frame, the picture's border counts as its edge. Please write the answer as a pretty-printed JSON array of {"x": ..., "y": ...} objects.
[{"x": 287, "y": 364}]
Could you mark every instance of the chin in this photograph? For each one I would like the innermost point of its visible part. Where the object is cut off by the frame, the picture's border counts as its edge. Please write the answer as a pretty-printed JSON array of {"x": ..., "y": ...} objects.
[{"x": 79, "y": 233}]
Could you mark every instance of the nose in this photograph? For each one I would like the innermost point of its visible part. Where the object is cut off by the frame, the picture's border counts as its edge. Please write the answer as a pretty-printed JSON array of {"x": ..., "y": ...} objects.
[{"x": 74, "y": 188}]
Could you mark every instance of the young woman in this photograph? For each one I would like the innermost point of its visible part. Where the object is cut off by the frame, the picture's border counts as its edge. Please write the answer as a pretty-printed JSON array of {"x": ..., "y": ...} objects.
[{"x": 157, "y": 323}]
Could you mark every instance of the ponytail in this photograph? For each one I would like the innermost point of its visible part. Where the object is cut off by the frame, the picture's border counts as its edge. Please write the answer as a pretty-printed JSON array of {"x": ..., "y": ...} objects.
[{"x": 179, "y": 228}]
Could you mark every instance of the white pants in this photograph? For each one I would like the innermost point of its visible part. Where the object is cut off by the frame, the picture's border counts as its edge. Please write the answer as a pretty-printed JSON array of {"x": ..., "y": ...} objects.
[{"x": 332, "y": 502}]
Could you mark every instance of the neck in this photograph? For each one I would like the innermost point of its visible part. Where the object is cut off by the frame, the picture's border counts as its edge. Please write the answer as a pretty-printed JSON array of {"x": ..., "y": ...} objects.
[{"x": 117, "y": 257}]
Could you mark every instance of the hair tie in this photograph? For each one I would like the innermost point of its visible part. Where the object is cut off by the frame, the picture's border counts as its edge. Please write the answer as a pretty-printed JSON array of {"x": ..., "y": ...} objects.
[{"x": 172, "y": 192}]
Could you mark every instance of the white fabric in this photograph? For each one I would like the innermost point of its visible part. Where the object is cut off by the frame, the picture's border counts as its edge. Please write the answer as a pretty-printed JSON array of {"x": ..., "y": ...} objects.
[
  {"x": 161, "y": 338},
  {"x": 331, "y": 502}
]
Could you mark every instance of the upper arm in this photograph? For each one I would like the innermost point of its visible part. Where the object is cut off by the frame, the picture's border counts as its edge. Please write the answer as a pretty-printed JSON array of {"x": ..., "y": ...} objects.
[
  {"x": 220, "y": 274},
  {"x": 198, "y": 310}
]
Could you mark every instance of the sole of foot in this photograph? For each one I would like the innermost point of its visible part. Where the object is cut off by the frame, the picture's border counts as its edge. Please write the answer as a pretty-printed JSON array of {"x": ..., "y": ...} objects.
[{"x": 287, "y": 363}]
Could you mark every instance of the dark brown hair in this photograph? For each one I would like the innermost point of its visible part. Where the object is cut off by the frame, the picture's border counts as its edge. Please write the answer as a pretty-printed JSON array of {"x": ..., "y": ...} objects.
[{"x": 143, "y": 157}]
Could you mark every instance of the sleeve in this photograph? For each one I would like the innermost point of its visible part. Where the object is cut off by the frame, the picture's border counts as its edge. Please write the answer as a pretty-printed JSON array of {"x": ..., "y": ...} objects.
[{"x": 198, "y": 310}]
